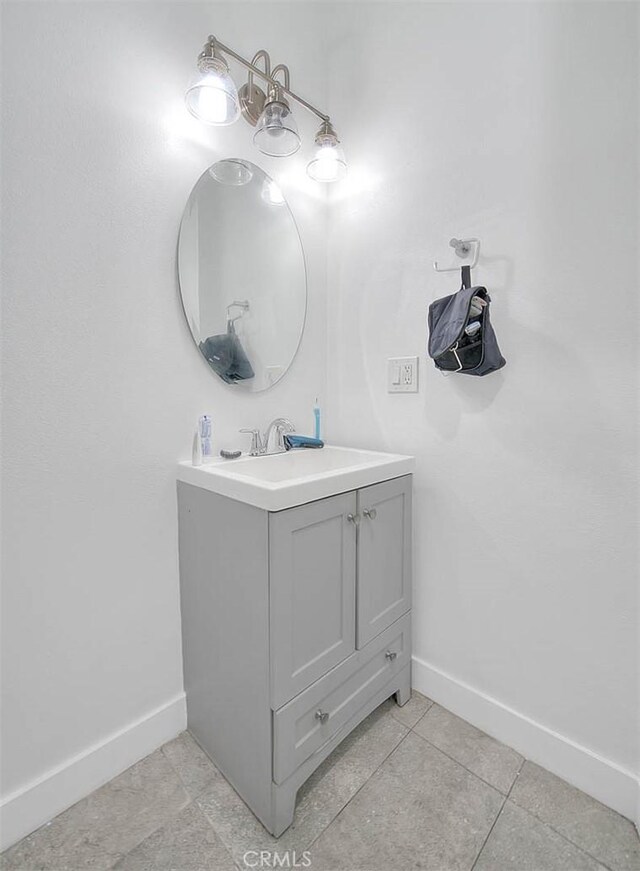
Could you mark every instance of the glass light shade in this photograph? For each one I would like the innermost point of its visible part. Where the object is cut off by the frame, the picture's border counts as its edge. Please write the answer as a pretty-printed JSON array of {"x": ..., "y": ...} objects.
[
  {"x": 232, "y": 172},
  {"x": 277, "y": 132},
  {"x": 328, "y": 163},
  {"x": 212, "y": 96}
]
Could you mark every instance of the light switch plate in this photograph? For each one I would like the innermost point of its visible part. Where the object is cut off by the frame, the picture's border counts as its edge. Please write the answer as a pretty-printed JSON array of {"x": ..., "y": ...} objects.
[{"x": 402, "y": 375}]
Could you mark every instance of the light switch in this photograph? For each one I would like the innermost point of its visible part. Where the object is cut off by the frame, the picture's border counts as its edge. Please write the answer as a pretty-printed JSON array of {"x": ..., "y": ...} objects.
[{"x": 402, "y": 375}]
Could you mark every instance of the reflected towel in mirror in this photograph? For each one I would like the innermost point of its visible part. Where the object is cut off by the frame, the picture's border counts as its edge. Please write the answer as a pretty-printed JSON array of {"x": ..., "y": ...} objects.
[{"x": 227, "y": 357}]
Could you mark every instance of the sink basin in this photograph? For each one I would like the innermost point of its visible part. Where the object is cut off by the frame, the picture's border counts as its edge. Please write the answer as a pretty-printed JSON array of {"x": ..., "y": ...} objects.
[{"x": 298, "y": 476}]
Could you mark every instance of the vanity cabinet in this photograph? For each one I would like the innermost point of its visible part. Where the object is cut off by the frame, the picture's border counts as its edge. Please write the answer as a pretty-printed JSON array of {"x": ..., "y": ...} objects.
[{"x": 296, "y": 625}]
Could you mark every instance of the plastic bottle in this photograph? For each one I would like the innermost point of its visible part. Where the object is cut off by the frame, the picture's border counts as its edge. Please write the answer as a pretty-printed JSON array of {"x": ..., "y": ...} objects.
[{"x": 196, "y": 451}]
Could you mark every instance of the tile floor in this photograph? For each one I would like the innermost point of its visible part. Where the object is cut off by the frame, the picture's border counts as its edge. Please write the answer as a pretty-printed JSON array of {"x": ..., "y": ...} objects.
[{"x": 410, "y": 788}]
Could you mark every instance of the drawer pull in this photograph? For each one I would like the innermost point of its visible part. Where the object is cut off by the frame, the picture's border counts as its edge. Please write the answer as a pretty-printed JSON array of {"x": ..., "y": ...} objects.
[
  {"x": 323, "y": 716},
  {"x": 391, "y": 655},
  {"x": 371, "y": 513},
  {"x": 353, "y": 518}
]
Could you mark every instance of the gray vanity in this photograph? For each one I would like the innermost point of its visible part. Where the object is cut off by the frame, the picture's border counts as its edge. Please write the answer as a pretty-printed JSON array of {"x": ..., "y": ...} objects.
[
  {"x": 296, "y": 595},
  {"x": 295, "y": 568}
]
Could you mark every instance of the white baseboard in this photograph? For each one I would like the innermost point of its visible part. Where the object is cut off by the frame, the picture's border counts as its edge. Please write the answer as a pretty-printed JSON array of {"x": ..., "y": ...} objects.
[
  {"x": 606, "y": 781},
  {"x": 32, "y": 805}
]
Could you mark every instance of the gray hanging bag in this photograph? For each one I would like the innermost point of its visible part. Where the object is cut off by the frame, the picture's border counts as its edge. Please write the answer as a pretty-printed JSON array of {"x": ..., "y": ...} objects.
[{"x": 461, "y": 339}]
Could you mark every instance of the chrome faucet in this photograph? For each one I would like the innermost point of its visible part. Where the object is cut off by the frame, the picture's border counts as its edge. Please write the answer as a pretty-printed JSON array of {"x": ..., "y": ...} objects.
[
  {"x": 260, "y": 445},
  {"x": 281, "y": 425}
]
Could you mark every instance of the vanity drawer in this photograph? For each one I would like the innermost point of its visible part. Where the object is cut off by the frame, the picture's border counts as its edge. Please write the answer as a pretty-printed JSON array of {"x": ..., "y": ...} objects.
[{"x": 314, "y": 717}]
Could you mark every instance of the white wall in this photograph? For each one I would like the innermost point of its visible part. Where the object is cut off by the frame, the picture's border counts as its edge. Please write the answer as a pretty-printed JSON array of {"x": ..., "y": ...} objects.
[
  {"x": 102, "y": 382},
  {"x": 516, "y": 123}
]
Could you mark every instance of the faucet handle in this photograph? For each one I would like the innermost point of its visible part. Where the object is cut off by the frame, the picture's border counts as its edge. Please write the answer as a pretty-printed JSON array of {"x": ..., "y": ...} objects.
[{"x": 256, "y": 442}]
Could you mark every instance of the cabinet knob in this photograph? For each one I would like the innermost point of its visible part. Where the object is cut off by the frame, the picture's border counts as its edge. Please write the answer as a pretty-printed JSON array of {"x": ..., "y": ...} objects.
[
  {"x": 323, "y": 716},
  {"x": 391, "y": 655},
  {"x": 353, "y": 518},
  {"x": 371, "y": 513}
]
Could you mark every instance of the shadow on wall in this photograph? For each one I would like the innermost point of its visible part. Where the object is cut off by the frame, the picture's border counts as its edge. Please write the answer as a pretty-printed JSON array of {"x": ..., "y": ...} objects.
[{"x": 476, "y": 394}]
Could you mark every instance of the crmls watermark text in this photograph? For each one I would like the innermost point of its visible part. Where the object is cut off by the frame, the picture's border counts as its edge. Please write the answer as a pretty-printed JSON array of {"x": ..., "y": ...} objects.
[{"x": 268, "y": 859}]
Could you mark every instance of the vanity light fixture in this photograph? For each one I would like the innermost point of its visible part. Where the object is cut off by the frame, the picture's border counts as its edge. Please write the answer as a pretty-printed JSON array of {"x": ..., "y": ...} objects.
[{"x": 212, "y": 97}]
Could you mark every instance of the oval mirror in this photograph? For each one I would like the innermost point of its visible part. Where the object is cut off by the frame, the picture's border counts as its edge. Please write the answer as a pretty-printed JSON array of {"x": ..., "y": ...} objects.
[{"x": 242, "y": 275}]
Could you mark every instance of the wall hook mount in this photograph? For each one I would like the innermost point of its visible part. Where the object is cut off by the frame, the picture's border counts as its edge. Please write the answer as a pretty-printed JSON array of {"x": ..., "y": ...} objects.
[{"x": 467, "y": 250}]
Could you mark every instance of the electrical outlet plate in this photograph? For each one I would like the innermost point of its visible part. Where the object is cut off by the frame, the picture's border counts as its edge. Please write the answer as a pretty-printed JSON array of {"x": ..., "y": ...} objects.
[{"x": 402, "y": 375}]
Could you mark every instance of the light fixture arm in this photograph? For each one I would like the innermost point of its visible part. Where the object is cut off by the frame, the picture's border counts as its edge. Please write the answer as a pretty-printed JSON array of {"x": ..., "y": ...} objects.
[
  {"x": 266, "y": 75},
  {"x": 259, "y": 55},
  {"x": 278, "y": 91},
  {"x": 284, "y": 69}
]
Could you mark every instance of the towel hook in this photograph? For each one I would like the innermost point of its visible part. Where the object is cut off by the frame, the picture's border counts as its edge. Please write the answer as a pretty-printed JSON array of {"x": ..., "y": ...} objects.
[
  {"x": 464, "y": 248},
  {"x": 242, "y": 304}
]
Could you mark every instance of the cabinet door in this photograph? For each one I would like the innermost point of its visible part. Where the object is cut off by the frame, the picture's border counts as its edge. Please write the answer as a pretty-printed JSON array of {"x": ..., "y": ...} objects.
[
  {"x": 384, "y": 556},
  {"x": 312, "y": 576}
]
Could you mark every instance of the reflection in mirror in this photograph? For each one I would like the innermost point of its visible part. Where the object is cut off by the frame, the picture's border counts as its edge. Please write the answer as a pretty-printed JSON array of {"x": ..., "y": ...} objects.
[{"x": 242, "y": 275}]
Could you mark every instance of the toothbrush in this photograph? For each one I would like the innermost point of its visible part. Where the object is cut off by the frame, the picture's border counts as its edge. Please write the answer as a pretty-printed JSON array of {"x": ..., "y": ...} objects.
[{"x": 316, "y": 414}]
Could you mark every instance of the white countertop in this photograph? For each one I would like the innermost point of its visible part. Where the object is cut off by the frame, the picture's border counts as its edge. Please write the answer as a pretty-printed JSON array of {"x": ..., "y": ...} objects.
[{"x": 301, "y": 475}]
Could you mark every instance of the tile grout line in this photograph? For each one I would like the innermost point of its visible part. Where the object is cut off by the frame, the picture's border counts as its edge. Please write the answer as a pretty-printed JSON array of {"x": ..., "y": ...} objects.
[
  {"x": 420, "y": 716},
  {"x": 516, "y": 777},
  {"x": 191, "y": 803},
  {"x": 582, "y": 849},
  {"x": 194, "y": 797},
  {"x": 547, "y": 825},
  {"x": 123, "y": 856},
  {"x": 194, "y": 800},
  {"x": 202, "y": 814},
  {"x": 345, "y": 806},
  {"x": 561, "y": 835},
  {"x": 493, "y": 825},
  {"x": 468, "y": 770}
]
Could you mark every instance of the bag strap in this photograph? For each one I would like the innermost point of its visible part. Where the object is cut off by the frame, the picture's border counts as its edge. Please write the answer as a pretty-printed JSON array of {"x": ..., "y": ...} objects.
[{"x": 466, "y": 277}]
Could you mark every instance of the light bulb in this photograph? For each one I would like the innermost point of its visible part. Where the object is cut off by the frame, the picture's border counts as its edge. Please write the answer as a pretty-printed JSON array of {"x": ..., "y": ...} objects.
[
  {"x": 271, "y": 193},
  {"x": 211, "y": 102},
  {"x": 277, "y": 132},
  {"x": 328, "y": 163},
  {"x": 211, "y": 95}
]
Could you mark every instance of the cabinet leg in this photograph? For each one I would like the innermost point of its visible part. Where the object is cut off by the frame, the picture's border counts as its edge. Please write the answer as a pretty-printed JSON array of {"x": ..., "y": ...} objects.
[
  {"x": 283, "y": 805},
  {"x": 403, "y": 693}
]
